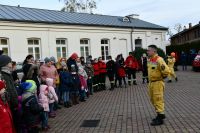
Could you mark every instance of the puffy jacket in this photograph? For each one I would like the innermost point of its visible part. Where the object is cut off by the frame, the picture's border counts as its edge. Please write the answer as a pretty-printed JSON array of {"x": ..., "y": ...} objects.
[
  {"x": 31, "y": 111},
  {"x": 96, "y": 69},
  {"x": 43, "y": 99},
  {"x": 170, "y": 61},
  {"x": 131, "y": 62},
  {"x": 6, "y": 122},
  {"x": 65, "y": 81},
  {"x": 102, "y": 67},
  {"x": 110, "y": 65},
  {"x": 52, "y": 96}
]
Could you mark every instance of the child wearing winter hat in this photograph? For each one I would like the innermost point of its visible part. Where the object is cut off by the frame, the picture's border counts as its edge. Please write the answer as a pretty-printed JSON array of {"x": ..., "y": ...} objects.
[
  {"x": 65, "y": 85},
  {"x": 52, "y": 97},
  {"x": 44, "y": 102},
  {"x": 6, "y": 119},
  {"x": 30, "y": 106},
  {"x": 75, "y": 86}
]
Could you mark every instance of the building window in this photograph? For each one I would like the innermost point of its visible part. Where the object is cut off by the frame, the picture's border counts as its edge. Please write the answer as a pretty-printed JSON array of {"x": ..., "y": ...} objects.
[
  {"x": 84, "y": 48},
  {"x": 61, "y": 48},
  {"x": 4, "y": 45},
  {"x": 34, "y": 48},
  {"x": 138, "y": 44},
  {"x": 105, "y": 49}
]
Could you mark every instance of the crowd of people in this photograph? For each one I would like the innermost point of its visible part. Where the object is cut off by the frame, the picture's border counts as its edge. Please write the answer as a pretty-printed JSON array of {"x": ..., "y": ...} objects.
[{"x": 48, "y": 85}]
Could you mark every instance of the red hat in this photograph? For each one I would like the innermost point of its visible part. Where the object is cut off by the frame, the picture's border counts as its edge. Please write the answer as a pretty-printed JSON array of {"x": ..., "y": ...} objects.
[
  {"x": 2, "y": 84},
  {"x": 74, "y": 56}
]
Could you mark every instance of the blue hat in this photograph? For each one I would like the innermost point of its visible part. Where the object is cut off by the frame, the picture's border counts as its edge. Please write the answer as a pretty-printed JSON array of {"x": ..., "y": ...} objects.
[{"x": 25, "y": 86}]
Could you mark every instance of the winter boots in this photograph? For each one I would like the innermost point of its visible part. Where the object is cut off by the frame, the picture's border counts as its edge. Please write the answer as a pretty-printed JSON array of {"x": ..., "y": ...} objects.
[{"x": 158, "y": 120}]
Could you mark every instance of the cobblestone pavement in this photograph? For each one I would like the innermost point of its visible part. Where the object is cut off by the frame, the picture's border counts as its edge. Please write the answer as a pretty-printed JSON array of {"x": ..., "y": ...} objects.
[{"x": 128, "y": 110}]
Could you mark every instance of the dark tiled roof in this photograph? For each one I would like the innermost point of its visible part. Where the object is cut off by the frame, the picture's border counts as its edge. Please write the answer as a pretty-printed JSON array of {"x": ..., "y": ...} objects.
[{"x": 22, "y": 14}]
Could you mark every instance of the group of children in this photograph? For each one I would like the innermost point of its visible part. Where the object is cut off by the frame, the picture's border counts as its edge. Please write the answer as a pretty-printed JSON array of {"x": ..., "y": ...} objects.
[{"x": 46, "y": 85}]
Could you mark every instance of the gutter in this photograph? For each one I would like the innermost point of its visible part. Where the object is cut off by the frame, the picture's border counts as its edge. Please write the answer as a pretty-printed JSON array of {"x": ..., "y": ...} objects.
[{"x": 131, "y": 39}]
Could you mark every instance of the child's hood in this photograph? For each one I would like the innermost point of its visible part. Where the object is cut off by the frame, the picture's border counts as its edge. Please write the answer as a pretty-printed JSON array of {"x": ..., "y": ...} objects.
[{"x": 49, "y": 81}]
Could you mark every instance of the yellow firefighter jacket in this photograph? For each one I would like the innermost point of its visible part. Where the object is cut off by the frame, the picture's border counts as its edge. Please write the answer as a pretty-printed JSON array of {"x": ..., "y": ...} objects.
[
  {"x": 170, "y": 61},
  {"x": 157, "y": 68}
]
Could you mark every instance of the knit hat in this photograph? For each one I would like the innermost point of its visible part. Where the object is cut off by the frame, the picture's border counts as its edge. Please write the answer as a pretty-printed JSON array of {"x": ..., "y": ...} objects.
[
  {"x": 2, "y": 84},
  {"x": 29, "y": 86},
  {"x": 52, "y": 59},
  {"x": 47, "y": 60},
  {"x": 74, "y": 56},
  {"x": 4, "y": 60}
]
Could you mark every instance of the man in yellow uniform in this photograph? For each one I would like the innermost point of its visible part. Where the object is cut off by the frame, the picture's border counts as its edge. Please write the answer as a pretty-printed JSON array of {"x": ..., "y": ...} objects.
[
  {"x": 157, "y": 71},
  {"x": 170, "y": 62}
]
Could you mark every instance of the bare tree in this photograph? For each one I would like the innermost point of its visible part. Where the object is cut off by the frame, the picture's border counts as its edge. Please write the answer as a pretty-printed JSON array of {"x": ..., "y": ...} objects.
[
  {"x": 86, "y": 6},
  {"x": 178, "y": 27},
  {"x": 170, "y": 33}
]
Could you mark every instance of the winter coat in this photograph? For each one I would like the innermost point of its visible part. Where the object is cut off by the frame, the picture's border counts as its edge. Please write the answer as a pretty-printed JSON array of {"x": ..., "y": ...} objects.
[
  {"x": 131, "y": 62},
  {"x": 65, "y": 81},
  {"x": 75, "y": 82},
  {"x": 6, "y": 121},
  {"x": 70, "y": 62},
  {"x": 10, "y": 88},
  {"x": 48, "y": 72},
  {"x": 52, "y": 96},
  {"x": 81, "y": 71},
  {"x": 110, "y": 66},
  {"x": 43, "y": 99},
  {"x": 102, "y": 67},
  {"x": 31, "y": 72},
  {"x": 96, "y": 69},
  {"x": 31, "y": 110},
  {"x": 89, "y": 71}
]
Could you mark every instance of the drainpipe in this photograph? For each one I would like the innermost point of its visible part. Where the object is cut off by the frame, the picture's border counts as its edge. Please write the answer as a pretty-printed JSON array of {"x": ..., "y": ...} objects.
[{"x": 131, "y": 40}]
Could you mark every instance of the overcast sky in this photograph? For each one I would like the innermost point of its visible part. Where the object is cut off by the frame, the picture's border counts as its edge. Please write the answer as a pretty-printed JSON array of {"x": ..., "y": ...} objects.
[{"x": 162, "y": 12}]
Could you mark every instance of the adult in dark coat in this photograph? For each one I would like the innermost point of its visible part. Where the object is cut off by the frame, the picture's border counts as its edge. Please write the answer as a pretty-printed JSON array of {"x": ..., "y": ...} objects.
[
  {"x": 6, "y": 75},
  {"x": 72, "y": 61},
  {"x": 31, "y": 71}
]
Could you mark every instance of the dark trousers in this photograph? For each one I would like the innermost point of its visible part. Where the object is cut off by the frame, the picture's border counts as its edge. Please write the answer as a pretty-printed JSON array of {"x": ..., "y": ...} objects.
[
  {"x": 44, "y": 119},
  {"x": 102, "y": 80},
  {"x": 111, "y": 79},
  {"x": 131, "y": 73},
  {"x": 120, "y": 81},
  {"x": 89, "y": 84},
  {"x": 96, "y": 83}
]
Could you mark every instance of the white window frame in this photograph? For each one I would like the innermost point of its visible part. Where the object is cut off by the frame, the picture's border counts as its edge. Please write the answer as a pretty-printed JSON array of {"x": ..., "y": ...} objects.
[
  {"x": 85, "y": 46},
  {"x": 61, "y": 46},
  {"x": 34, "y": 46},
  {"x": 105, "y": 55},
  {"x": 4, "y": 46}
]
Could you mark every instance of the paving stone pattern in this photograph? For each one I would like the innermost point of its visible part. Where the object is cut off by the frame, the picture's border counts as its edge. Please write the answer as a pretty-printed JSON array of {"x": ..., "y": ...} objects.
[{"x": 128, "y": 110}]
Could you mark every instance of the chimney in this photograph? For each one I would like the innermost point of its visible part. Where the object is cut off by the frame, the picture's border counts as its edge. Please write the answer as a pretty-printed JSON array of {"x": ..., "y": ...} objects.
[
  {"x": 190, "y": 25},
  {"x": 135, "y": 16},
  {"x": 18, "y": 5},
  {"x": 184, "y": 28}
]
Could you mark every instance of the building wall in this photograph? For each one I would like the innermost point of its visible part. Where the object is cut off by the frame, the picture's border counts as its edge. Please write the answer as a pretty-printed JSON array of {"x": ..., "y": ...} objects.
[{"x": 119, "y": 39}]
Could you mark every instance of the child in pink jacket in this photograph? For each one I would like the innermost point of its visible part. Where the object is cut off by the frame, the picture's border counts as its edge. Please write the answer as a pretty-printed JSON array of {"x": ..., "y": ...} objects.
[
  {"x": 51, "y": 96},
  {"x": 44, "y": 102}
]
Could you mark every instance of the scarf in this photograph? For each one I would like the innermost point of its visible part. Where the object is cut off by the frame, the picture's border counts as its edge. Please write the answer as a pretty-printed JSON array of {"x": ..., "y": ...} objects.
[{"x": 6, "y": 69}]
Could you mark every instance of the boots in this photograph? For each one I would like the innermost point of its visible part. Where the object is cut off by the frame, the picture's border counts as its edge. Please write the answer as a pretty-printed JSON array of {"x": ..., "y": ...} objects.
[
  {"x": 129, "y": 83},
  {"x": 143, "y": 80},
  {"x": 76, "y": 99},
  {"x": 176, "y": 79},
  {"x": 158, "y": 120},
  {"x": 112, "y": 86},
  {"x": 169, "y": 81}
]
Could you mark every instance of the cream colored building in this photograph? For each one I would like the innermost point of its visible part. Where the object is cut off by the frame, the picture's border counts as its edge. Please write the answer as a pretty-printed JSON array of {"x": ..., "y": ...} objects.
[{"x": 46, "y": 33}]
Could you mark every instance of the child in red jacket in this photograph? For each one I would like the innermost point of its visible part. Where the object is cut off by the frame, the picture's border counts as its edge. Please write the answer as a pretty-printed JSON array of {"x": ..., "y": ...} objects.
[{"x": 6, "y": 121}]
